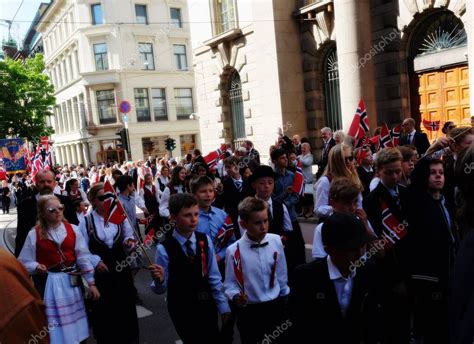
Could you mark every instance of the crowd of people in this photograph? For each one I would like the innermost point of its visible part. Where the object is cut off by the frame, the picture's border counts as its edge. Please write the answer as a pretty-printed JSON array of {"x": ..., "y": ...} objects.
[{"x": 392, "y": 254}]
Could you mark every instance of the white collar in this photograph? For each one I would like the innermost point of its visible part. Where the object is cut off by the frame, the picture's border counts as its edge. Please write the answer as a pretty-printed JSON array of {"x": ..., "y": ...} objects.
[
  {"x": 334, "y": 273},
  {"x": 412, "y": 132}
]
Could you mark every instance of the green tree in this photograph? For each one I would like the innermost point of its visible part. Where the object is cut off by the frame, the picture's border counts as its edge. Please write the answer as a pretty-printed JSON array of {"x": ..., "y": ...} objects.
[{"x": 26, "y": 98}]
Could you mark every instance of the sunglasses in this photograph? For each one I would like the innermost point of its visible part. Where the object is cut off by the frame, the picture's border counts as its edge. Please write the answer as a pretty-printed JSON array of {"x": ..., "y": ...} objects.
[
  {"x": 55, "y": 210},
  {"x": 349, "y": 159}
]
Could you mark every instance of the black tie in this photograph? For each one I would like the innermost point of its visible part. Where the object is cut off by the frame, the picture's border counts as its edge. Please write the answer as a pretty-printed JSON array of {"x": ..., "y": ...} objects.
[
  {"x": 189, "y": 249},
  {"x": 270, "y": 217},
  {"x": 259, "y": 245}
]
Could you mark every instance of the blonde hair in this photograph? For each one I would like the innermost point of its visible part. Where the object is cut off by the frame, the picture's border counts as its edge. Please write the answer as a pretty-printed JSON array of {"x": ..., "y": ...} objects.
[
  {"x": 387, "y": 156},
  {"x": 41, "y": 218},
  {"x": 336, "y": 167}
]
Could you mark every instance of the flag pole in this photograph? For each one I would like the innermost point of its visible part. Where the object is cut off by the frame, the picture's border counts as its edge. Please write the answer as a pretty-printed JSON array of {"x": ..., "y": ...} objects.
[{"x": 137, "y": 234}]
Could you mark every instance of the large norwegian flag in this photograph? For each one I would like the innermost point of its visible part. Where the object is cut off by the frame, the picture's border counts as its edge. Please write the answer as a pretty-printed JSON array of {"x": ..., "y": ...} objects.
[
  {"x": 360, "y": 124},
  {"x": 431, "y": 125},
  {"x": 225, "y": 233},
  {"x": 113, "y": 209},
  {"x": 298, "y": 182},
  {"x": 385, "y": 138},
  {"x": 393, "y": 230},
  {"x": 48, "y": 164},
  {"x": 36, "y": 163},
  {"x": 239, "y": 273},
  {"x": 395, "y": 134},
  {"x": 213, "y": 157}
]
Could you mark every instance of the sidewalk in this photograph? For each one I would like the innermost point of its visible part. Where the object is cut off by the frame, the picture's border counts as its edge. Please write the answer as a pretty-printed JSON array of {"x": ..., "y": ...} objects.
[{"x": 8, "y": 230}]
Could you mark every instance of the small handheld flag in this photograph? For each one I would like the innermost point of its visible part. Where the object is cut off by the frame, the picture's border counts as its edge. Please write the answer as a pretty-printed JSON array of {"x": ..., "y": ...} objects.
[
  {"x": 431, "y": 125},
  {"x": 298, "y": 182},
  {"x": 113, "y": 209},
  {"x": 224, "y": 234}
]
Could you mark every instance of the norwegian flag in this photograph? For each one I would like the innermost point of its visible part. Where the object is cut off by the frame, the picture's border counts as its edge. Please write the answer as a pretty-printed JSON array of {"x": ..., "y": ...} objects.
[
  {"x": 113, "y": 209},
  {"x": 360, "y": 124},
  {"x": 225, "y": 233},
  {"x": 362, "y": 153},
  {"x": 212, "y": 158},
  {"x": 141, "y": 171},
  {"x": 431, "y": 125},
  {"x": 375, "y": 141},
  {"x": 395, "y": 134},
  {"x": 48, "y": 164},
  {"x": 239, "y": 274},
  {"x": 36, "y": 163},
  {"x": 385, "y": 139},
  {"x": 298, "y": 182},
  {"x": 393, "y": 230}
]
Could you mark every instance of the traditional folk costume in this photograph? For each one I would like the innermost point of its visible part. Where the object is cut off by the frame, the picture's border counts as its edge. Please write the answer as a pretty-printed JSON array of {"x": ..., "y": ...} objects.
[
  {"x": 63, "y": 251},
  {"x": 259, "y": 271},
  {"x": 116, "y": 307}
]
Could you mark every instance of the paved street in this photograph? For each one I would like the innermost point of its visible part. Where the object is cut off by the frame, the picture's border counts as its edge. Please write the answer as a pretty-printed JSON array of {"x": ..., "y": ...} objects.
[{"x": 155, "y": 325}]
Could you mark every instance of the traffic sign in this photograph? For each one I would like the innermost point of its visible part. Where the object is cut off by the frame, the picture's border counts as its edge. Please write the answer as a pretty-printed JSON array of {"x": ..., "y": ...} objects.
[{"x": 125, "y": 107}]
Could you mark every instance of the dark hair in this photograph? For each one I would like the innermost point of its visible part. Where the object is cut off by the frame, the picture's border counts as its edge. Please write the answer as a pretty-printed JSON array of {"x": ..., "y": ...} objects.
[
  {"x": 407, "y": 151},
  {"x": 117, "y": 172},
  {"x": 180, "y": 201},
  {"x": 277, "y": 153},
  {"x": 174, "y": 181},
  {"x": 77, "y": 203},
  {"x": 123, "y": 182},
  {"x": 231, "y": 160},
  {"x": 344, "y": 190},
  {"x": 444, "y": 130},
  {"x": 198, "y": 165},
  {"x": 250, "y": 205},
  {"x": 421, "y": 174},
  {"x": 197, "y": 152},
  {"x": 198, "y": 182},
  {"x": 69, "y": 184}
]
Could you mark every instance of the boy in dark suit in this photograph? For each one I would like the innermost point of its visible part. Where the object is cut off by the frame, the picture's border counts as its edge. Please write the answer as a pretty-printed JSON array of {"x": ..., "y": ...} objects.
[
  {"x": 330, "y": 298},
  {"x": 386, "y": 213},
  {"x": 365, "y": 170}
]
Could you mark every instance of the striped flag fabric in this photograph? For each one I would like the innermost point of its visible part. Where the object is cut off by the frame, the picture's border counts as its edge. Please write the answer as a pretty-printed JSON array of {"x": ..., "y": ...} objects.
[
  {"x": 113, "y": 209},
  {"x": 225, "y": 233},
  {"x": 385, "y": 138},
  {"x": 431, "y": 125},
  {"x": 36, "y": 163},
  {"x": 239, "y": 274},
  {"x": 395, "y": 134},
  {"x": 393, "y": 230},
  {"x": 360, "y": 124},
  {"x": 298, "y": 182},
  {"x": 213, "y": 157}
]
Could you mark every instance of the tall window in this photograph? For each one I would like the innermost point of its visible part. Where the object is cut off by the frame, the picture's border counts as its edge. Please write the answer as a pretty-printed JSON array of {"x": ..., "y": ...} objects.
[
  {"x": 106, "y": 106},
  {"x": 183, "y": 98},
  {"x": 236, "y": 107},
  {"x": 146, "y": 56},
  {"x": 142, "y": 105},
  {"x": 225, "y": 15},
  {"x": 96, "y": 10},
  {"x": 100, "y": 56},
  {"x": 158, "y": 98},
  {"x": 180, "y": 56},
  {"x": 140, "y": 14},
  {"x": 332, "y": 95},
  {"x": 175, "y": 14}
]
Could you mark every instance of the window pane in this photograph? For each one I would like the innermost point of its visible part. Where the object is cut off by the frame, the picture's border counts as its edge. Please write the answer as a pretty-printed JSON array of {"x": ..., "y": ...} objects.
[
  {"x": 106, "y": 106},
  {"x": 100, "y": 48},
  {"x": 179, "y": 49},
  {"x": 175, "y": 17},
  {"x": 144, "y": 47},
  {"x": 141, "y": 104},
  {"x": 146, "y": 55},
  {"x": 140, "y": 12},
  {"x": 159, "y": 103},
  {"x": 182, "y": 92},
  {"x": 184, "y": 102},
  {"x": 96, "y": 14}
]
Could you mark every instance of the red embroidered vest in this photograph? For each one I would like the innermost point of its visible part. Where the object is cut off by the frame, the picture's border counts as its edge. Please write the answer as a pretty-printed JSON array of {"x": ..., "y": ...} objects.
[{"x": 47, "y": 252}]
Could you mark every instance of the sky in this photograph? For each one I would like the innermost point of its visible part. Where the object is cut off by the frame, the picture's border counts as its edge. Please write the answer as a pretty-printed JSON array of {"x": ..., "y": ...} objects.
[{"x": 26, "y": 13}]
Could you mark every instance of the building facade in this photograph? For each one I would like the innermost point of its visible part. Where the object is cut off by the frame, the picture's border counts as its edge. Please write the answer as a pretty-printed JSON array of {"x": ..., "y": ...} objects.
[
  {"x": 98, "y": 55},
  {"x": 305, "y": 64}
]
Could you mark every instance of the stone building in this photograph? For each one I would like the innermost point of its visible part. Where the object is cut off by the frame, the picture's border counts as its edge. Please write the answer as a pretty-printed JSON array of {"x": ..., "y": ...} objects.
[
  {"x": 303, "y": 65},
  {"x": 100, "y": 53}
]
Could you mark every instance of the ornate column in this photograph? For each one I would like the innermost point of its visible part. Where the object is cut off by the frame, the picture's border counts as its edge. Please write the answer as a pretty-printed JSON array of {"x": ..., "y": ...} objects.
[
  {"x": 80, "y": 159},
  {"x": 356, "y": 69},
  {"x": 85, "y": 153},
  {"x": 68, "y": 155}
]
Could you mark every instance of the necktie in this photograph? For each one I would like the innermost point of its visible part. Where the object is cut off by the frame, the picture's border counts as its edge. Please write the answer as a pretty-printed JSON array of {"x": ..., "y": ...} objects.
[
  {"x": 259, "y": 245},
  {"x": 189, "y": 249},
  {"x": 238, "y": 185},
  {"x": 270, "y": 217}
]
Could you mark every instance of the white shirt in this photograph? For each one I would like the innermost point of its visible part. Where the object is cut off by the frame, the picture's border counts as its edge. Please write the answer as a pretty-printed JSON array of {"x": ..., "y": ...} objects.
[
  {"x": 257, "y": 266},
  {"x": 165, "y": 199},
  {"x": 149, "y": 187},
  {"x": 84, "y": 259},
  {"x": 411, "y": 136},
  {"x": 342, "y": 285},
  {"x": 106, "y": 234},
  {"x": 374, "y": 183}
]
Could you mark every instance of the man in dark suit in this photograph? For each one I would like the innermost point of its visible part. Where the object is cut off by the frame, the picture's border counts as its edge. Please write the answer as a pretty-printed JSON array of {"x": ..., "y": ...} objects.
[
  {"x": 27, "y": 211},
  {"x": 252, "y": 159},
  {"x": 390, "y": 197},
  {"x": 413, "y": 137},
  {"x": 331, "y": 298},
  {"x": 328, "y": 143}
]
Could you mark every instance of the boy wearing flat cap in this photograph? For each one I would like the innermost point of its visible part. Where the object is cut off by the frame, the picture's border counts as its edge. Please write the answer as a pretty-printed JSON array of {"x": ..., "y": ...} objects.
[{"x": 330, "y": 298}]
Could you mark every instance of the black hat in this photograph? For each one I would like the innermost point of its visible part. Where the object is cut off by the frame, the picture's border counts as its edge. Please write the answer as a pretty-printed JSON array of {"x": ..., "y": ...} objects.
[
  {"x": 344, "y": 231},
  {"x": 261, "y": 172}
]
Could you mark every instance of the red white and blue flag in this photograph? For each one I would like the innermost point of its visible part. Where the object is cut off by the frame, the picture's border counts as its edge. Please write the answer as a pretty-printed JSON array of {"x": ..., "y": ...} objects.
[
  {"x": 431, "y": 125},
  {"x": 225, "y": 233},
  {"x": 393, "y": 230},
  {"x": 360, "y": 124},
  {"x": 113, "y": 209},
  {"x": 213, "y": 157},
  {"x": 385, "y": 138},
  {"x": 395, "y": 135},
  {"x": 239, "y": 274},
  {"x": 298, "y": 182},
  {"x": 36, "y": 163}
]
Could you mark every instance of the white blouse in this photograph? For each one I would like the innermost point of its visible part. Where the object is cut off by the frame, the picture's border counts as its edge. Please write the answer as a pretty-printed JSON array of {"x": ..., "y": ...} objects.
[{"x": 84, "y": 258}]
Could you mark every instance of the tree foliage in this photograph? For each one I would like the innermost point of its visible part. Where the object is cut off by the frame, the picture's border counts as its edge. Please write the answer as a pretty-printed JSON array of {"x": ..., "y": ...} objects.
[{"x": 26, "y": 98}]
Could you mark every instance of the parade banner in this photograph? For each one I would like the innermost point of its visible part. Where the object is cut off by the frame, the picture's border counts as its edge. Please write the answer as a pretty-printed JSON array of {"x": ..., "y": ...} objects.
[{"x": 13, "y": 154}]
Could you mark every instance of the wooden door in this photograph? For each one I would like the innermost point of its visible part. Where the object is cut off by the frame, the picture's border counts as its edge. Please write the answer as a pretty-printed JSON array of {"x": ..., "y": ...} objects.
[{"x": 444, "y": 96}]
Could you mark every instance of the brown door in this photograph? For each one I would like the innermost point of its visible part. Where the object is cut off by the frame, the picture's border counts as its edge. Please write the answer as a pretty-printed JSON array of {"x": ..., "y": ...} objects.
[{"x": 444, "y": 96}]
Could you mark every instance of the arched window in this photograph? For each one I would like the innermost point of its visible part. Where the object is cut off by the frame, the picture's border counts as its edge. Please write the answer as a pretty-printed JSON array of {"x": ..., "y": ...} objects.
[
  {"x": 236, "y": 107},
  {"x": 331, "y": 90}
]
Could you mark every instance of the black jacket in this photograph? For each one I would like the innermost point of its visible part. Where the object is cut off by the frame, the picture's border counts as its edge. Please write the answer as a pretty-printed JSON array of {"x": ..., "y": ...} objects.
[
  {"x": 231, "y": 198},
  {"x": 27, "y": 216},
  {"x": 315, "y": 311},
  {"x": 324, "y": 157},
  {"x": 365, "y": 178},
  {"x": 420, "y": 141}
]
